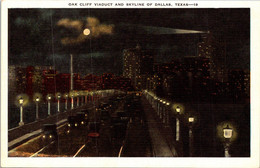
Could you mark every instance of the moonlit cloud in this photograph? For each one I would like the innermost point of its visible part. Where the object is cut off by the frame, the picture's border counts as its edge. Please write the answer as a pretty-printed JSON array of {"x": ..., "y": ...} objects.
[
  {"x": 93, "y": 24},
  {"x": 75, "y": 24}
]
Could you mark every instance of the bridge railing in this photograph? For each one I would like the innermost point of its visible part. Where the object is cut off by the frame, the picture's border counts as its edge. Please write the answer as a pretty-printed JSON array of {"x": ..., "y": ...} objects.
[
  {"x": 177, "y": 118},
  {"x": 38, "y": 108}
]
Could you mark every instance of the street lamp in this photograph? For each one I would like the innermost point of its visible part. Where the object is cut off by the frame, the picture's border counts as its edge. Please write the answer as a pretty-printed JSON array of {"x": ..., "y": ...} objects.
[
  {"x": 72, "y": 101},
  {"x": 86, "y": 97},
  {"x": 82, "y": 98},
  {"x": 49, "y": 104},
  {"x": 163, "y": 112},
  {"x": 167, "y": 113},
  {"x": 37, "y": 99},
  {"x": 77, "y": 99},
  {"x": 160, "y": 109},
  {"x": 227, "y": 133},
  {"x": 66, "y": 101},
  {"x": 158, "y": 106},
  {"x": 21, "y": 101},
  {"x": 58, "y": 97},
  {"x": 191, "y": 121},
  {"x": 178, "y": 111}
]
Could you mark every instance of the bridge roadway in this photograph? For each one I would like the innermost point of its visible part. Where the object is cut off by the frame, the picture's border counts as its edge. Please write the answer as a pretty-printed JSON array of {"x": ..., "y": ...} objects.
[{"x": 143, "y": 136}]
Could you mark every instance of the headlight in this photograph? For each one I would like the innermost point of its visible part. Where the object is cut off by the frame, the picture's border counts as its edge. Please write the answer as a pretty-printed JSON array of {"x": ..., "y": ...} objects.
[
  {"x": 43, "y": 136},
  {"x": 76, "y": 125},
  {"x": 68, "y": 131},
  {"x": 69, "y": 125},
  {"x": 50, "y": 136},
  {"x": 82, "y": 122}
]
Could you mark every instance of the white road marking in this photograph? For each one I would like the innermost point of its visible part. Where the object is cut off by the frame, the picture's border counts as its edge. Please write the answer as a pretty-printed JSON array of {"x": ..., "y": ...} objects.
[
  {"x": 120, "y": 151},
  {"x": 79, "y": 150},
  {"x": 41, "y": 149}
]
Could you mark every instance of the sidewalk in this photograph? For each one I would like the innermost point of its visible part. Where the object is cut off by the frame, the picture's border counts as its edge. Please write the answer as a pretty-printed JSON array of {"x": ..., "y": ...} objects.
[{"x": 161, "y": 137}]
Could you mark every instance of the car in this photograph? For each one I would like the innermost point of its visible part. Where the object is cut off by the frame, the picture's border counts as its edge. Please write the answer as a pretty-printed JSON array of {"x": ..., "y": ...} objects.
[
  {"x": 49, "y": 133},
  {"x": 73, "y": 122},
  {"x": 123, "y": 116},
  {"x": 86, "y": 112},
  {"x": 82, "y": 118},
  {"x": 103, "y": 106}
]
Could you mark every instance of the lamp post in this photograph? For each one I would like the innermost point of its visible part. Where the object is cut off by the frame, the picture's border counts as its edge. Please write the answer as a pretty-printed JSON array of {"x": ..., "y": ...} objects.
[
  {"x": 58, "y": 97},
  {"x": 72, "y": 101},
  {"x": 167, "y": 113},
  {"x": 77, "y": 99},
  {"x": 160, "y": 109},
  {"x": 86, "y": 98},
  {"x": 163, "y": 112},
  {"x": 191, "y": 120},
  {"x": 178, "y": 110},
  {"x": 158, "y": 106},
  {"x": 66, "y": 101},
  {"x": 37, "y": 99},
  {"x": 21, "y": 111},
  {"x": 82, "y": 99},
  {"x": 227, "y": 133},
  {"x": 49, "y": 105}
]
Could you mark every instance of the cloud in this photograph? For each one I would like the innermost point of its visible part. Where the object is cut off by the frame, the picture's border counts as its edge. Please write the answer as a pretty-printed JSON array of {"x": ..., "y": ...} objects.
[
  {"x": 92, "y": 23},
  {"x": 75, "y": 24}
]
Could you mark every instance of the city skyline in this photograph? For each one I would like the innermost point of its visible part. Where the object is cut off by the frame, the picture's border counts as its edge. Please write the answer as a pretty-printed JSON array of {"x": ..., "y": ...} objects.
[{"x": 174, "y": 33}]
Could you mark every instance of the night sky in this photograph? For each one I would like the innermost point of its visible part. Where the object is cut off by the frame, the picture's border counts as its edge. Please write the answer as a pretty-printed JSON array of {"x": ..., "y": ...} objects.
[{"x": 48, "y": 36}]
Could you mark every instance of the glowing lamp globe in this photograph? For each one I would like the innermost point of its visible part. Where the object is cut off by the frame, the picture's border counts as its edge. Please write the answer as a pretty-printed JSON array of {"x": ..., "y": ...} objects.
[
  {"x": 178, "y": 109},
  {"x": 37, "y": 99},
  {"x": 227, "y": 132},
  {"x": 191, "y": 119},
  {"x": 21, "y": 101}
]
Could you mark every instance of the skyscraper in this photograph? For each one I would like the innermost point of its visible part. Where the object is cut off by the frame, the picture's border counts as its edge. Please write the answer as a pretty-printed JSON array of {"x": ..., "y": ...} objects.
[{"x": 137, "y": 65}]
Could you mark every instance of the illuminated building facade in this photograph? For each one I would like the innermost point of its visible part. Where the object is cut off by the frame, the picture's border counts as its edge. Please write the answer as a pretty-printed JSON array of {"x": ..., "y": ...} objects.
[
  {"x": 131, "y": 65},
  {"x": 138, "y": 66}
]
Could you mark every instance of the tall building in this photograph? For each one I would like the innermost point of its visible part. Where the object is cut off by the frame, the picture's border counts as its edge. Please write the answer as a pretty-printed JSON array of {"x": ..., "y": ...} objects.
[
  {"x": 131, "y": 66},
  {"x": 137, "y": 66},
  {"x": 214, "y": 49},
  {"x": 237, "y": 83},
  {"x": 29, "y": 80},
  {"x": 20, "y": 79},
  {"x": 91, "y": 82},
  {"x": 247, "y": 82},
  {"x": 63, "y": 82},
  {"x": 50, "y": 82},
  {"x": 12, "y": 81}
]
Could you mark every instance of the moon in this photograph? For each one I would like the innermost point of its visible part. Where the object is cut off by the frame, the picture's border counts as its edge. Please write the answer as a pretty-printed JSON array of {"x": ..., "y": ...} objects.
[{"x": 86, "y": 32}]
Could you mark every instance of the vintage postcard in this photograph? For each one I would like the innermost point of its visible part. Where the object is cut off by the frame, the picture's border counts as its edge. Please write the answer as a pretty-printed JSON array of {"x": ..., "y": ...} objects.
[{"x": 129, "y": 83}]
